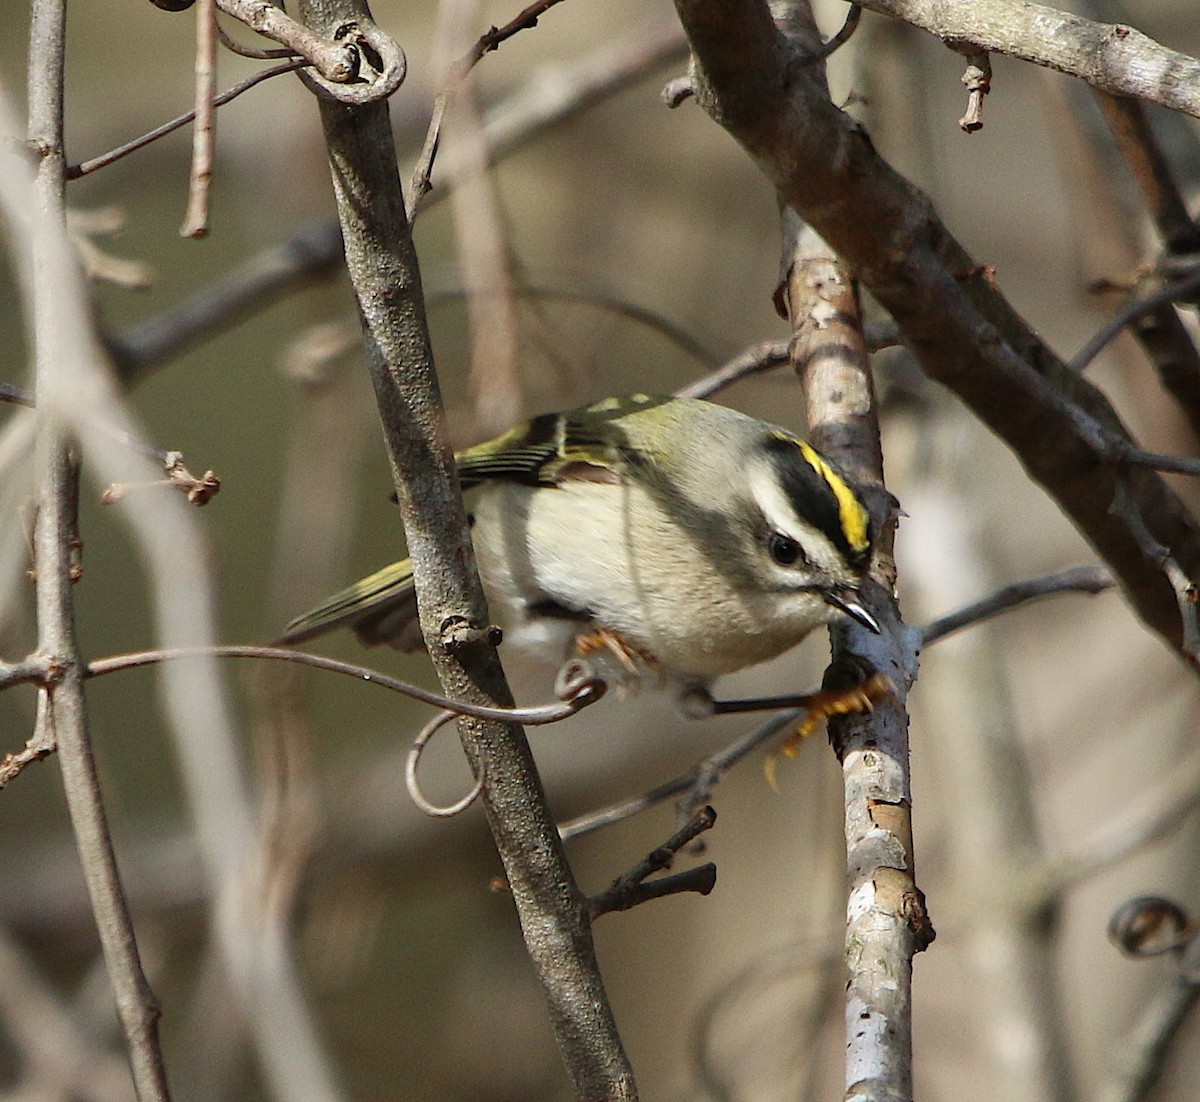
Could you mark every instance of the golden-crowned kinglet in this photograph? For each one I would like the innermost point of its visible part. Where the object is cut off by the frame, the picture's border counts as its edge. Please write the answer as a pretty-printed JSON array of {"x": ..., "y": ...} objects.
[{"x": 700, "y": 539}]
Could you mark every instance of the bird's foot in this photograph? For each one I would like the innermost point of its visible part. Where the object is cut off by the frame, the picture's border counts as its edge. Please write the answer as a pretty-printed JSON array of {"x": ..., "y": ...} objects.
[
  {"x": 822, "y": 706},
  {"x": 632, "y": 660},
  {"x": 837, "y": 702}
]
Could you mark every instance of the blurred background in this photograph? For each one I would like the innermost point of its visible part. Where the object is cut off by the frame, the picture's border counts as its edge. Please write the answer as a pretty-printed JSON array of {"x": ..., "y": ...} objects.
[{"x": 1062, "y": 721}]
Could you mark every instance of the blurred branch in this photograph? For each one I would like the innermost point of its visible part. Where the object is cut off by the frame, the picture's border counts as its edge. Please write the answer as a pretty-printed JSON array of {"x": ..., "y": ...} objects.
[
  {"x": 479, "y": 231},
  {"x": 204, "y": 133},
  {"x": 1160, "y": 812},
  {"x": 171, "y": 548},
  {"x": 1133, "y": 312},
  {"x": 1112, "y": 57},
  {"x": 63, "y": 716},
  {"x": 199, "y": 490},
  {"x": 677, "y": 334},
  {"x": 383, "y": 268},
  {"x": 552, "y": 97},
  {"x": 422, "y": 178},
  {"x": 955, "y": 321},
  {"x": 1141, "y": 1063},
  {"x": 1077, "y": 579},
  {"x": 1110, "y": 221},
  {"x": 60, "y": 1060},
  {"x": 1131, "y": 129}
]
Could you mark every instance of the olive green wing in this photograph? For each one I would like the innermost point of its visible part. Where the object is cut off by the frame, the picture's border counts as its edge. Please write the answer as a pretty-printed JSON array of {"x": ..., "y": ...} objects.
[
  {"x": 591, "y": 443},
  {"x": 381, "y": 608},
  {"x": 546, "y": 451}
]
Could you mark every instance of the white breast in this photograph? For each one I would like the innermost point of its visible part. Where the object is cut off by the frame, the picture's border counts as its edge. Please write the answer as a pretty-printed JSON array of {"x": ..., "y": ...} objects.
[{"x": 610, "y": 549}]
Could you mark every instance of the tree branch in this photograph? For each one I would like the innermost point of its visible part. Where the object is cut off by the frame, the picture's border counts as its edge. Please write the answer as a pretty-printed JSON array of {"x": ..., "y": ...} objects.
[
  {"x": 961, "y": 329},
  {"x": 885, "y": 918},
  {"x": 1112, "y": 57},
  {"x": 65, "y": 712},
  {"x": 386, "y": 277}
]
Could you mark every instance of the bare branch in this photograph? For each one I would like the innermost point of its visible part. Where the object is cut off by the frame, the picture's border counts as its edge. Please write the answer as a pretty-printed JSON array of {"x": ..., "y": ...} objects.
[
  {"x": 422, "y": 178},
  {"x": 550, "y": 98},
  {"x": 335, "y": 60},
  {"x": 578, "y": 694},
  {"x": 630, "y": 888},
  {"x": 1130, "y": 126},
  {"x": 1133, "y": 312},
  {"x": 1112, "y": 57},
  {"x": 964, "y": 333},
  {"x": 886, "y": 921},
  {"x": 383, "y": 268},
  {"x": 64, "y": 711},
  {"x": 105, "y": 159},
  {"x": 1078, "y": 579},
  {"x": 204, "y": 134},
  {"x": 696, "y": 784}
]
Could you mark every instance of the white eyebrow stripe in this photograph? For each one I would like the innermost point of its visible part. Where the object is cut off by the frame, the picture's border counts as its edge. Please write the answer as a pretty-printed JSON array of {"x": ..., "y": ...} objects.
[{"x": 774, "y": 503}]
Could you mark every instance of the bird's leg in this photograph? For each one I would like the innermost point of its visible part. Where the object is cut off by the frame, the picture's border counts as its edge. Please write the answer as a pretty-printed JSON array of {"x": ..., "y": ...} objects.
[{"x": 818, "y": 706}]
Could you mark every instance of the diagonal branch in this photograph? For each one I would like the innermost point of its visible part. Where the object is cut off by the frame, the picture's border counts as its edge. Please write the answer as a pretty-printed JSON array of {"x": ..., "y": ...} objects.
[
  {"x": 962, "y": 330},
  {"x": 383, "y": 268}
]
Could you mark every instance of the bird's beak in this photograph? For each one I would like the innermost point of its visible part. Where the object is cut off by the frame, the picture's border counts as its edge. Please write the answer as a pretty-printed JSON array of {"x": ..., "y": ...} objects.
[{"x": 847, "y": 600}]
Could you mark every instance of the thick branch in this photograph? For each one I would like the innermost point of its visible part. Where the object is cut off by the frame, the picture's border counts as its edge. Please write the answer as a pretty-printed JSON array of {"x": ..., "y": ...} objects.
[
  {"x": 383, "y": 268},
  {"x": 963, "y": 331}
]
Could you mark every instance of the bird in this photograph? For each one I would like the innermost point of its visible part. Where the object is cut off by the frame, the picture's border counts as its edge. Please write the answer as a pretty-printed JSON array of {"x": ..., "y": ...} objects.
[{"x": 676, "y": 534}]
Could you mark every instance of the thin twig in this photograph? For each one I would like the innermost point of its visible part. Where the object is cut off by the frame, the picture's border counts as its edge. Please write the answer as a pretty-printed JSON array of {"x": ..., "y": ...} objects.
[
  {"x": 236, "y": 47},
  {"x": 105, "y": 159},
  {"x": 422, "y": 177},
  {"x": 550, "y": 98},
  {"x": 697, "y": 782},
  {"x": 827, "y": 49},
  {"x": 1077, "y": 579},
  {"x": 336, "y": 61},
  {"x": 1125, "y": 506},
  {"x": 204, "y": 134},
  {"x": 581, "y": 694},
  {"x": 768, "y": 355},
  {"x": 630, "y": 888},
  {"x": 199, "y": 491},
  {"x": 679, "y": 335},
  {"x": 1132, "y": 312},
  {"x": 39, "y": 746}
]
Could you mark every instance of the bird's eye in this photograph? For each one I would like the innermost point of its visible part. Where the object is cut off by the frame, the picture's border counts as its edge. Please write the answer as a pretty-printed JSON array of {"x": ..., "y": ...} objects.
[{"x": 784, "y": 550}]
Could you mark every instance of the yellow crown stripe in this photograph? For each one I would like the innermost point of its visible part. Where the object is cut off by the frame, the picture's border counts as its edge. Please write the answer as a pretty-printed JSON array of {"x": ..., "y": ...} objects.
[{"x": 854, "y": 517}]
